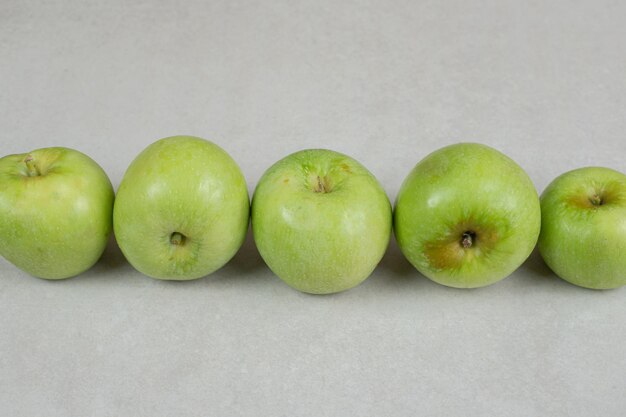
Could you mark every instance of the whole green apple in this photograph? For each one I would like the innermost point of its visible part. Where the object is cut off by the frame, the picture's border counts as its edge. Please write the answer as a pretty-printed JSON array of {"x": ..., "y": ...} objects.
[
  {"x": 583, "y": 227},
  {"x": 467, "y": 216},
  {"x": 55, "y": 212},
  {"x": 182, "y": 209},
  {"x": 321, "y": 221}
]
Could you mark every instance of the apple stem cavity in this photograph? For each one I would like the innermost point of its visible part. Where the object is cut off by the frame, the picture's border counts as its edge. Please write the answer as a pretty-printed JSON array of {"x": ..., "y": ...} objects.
[
  {"x": 467, "y": 239},
  {"x": 31, "y": 167},
  {"x": 320, "y": 187},
  {"x": 177, "y": 239},
  {"x": 596, "y": 200}
]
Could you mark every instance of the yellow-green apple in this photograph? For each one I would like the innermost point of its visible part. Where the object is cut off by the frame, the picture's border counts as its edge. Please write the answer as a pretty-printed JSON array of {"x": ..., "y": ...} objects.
[
  {"x": 583, "y": 227},
  {"x": 182, "y": 209},
  {"x": 467, "y": 216},
  {"x": 321, "y": 221},
  {"x": 55, "y": 212}
]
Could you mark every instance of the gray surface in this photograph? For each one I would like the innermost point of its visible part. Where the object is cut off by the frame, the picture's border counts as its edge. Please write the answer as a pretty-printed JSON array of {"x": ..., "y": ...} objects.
[{"x": 384, "y": 82}]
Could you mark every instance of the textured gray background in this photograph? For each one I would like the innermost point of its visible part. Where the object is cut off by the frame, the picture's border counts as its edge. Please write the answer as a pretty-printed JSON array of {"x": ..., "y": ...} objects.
[{"x": 385, "y": 82}]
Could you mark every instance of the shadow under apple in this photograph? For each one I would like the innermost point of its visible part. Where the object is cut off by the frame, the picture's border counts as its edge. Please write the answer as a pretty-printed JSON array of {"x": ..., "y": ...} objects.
[
  {"x": 246, "y": 265},
  {"x": 395, "y": 270},
  {"x": 111, "y": 264},
  {"x": 536, "y": 272}
]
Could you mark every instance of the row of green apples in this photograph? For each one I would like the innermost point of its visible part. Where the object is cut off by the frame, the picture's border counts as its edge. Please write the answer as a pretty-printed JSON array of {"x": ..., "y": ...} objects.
[{"x": 465, "y": 216}]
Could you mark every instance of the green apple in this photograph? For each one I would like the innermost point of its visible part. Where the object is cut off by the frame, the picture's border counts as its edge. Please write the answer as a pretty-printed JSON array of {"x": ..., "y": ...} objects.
[
  {"x": 321, "y": 221},
  {"x": 467, "y": 216},
  {"x": 55, "y": 212},
  {"x": 182, "y": 209},
  {"x": 583, "y": 227}
]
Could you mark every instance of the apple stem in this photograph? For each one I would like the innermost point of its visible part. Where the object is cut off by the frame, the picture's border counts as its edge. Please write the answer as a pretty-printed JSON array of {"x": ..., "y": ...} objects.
[
  {"x": 596, "y": 200},
  {"x": 467, "y": 240},
  {"x": 320, "y": 185},
  {"x": 177, "y": 239},
  {"x": 33, "y": 171}
]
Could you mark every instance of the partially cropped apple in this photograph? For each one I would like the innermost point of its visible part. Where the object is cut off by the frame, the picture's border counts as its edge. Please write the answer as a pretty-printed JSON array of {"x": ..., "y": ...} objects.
[
  {"x": 182, "y": 209},
  {"x": 583, "y": 227},
  {"x": 467, "y": 216},
  {"x": 321, "y": 221},
  {"x": 55, "y": 212}
]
